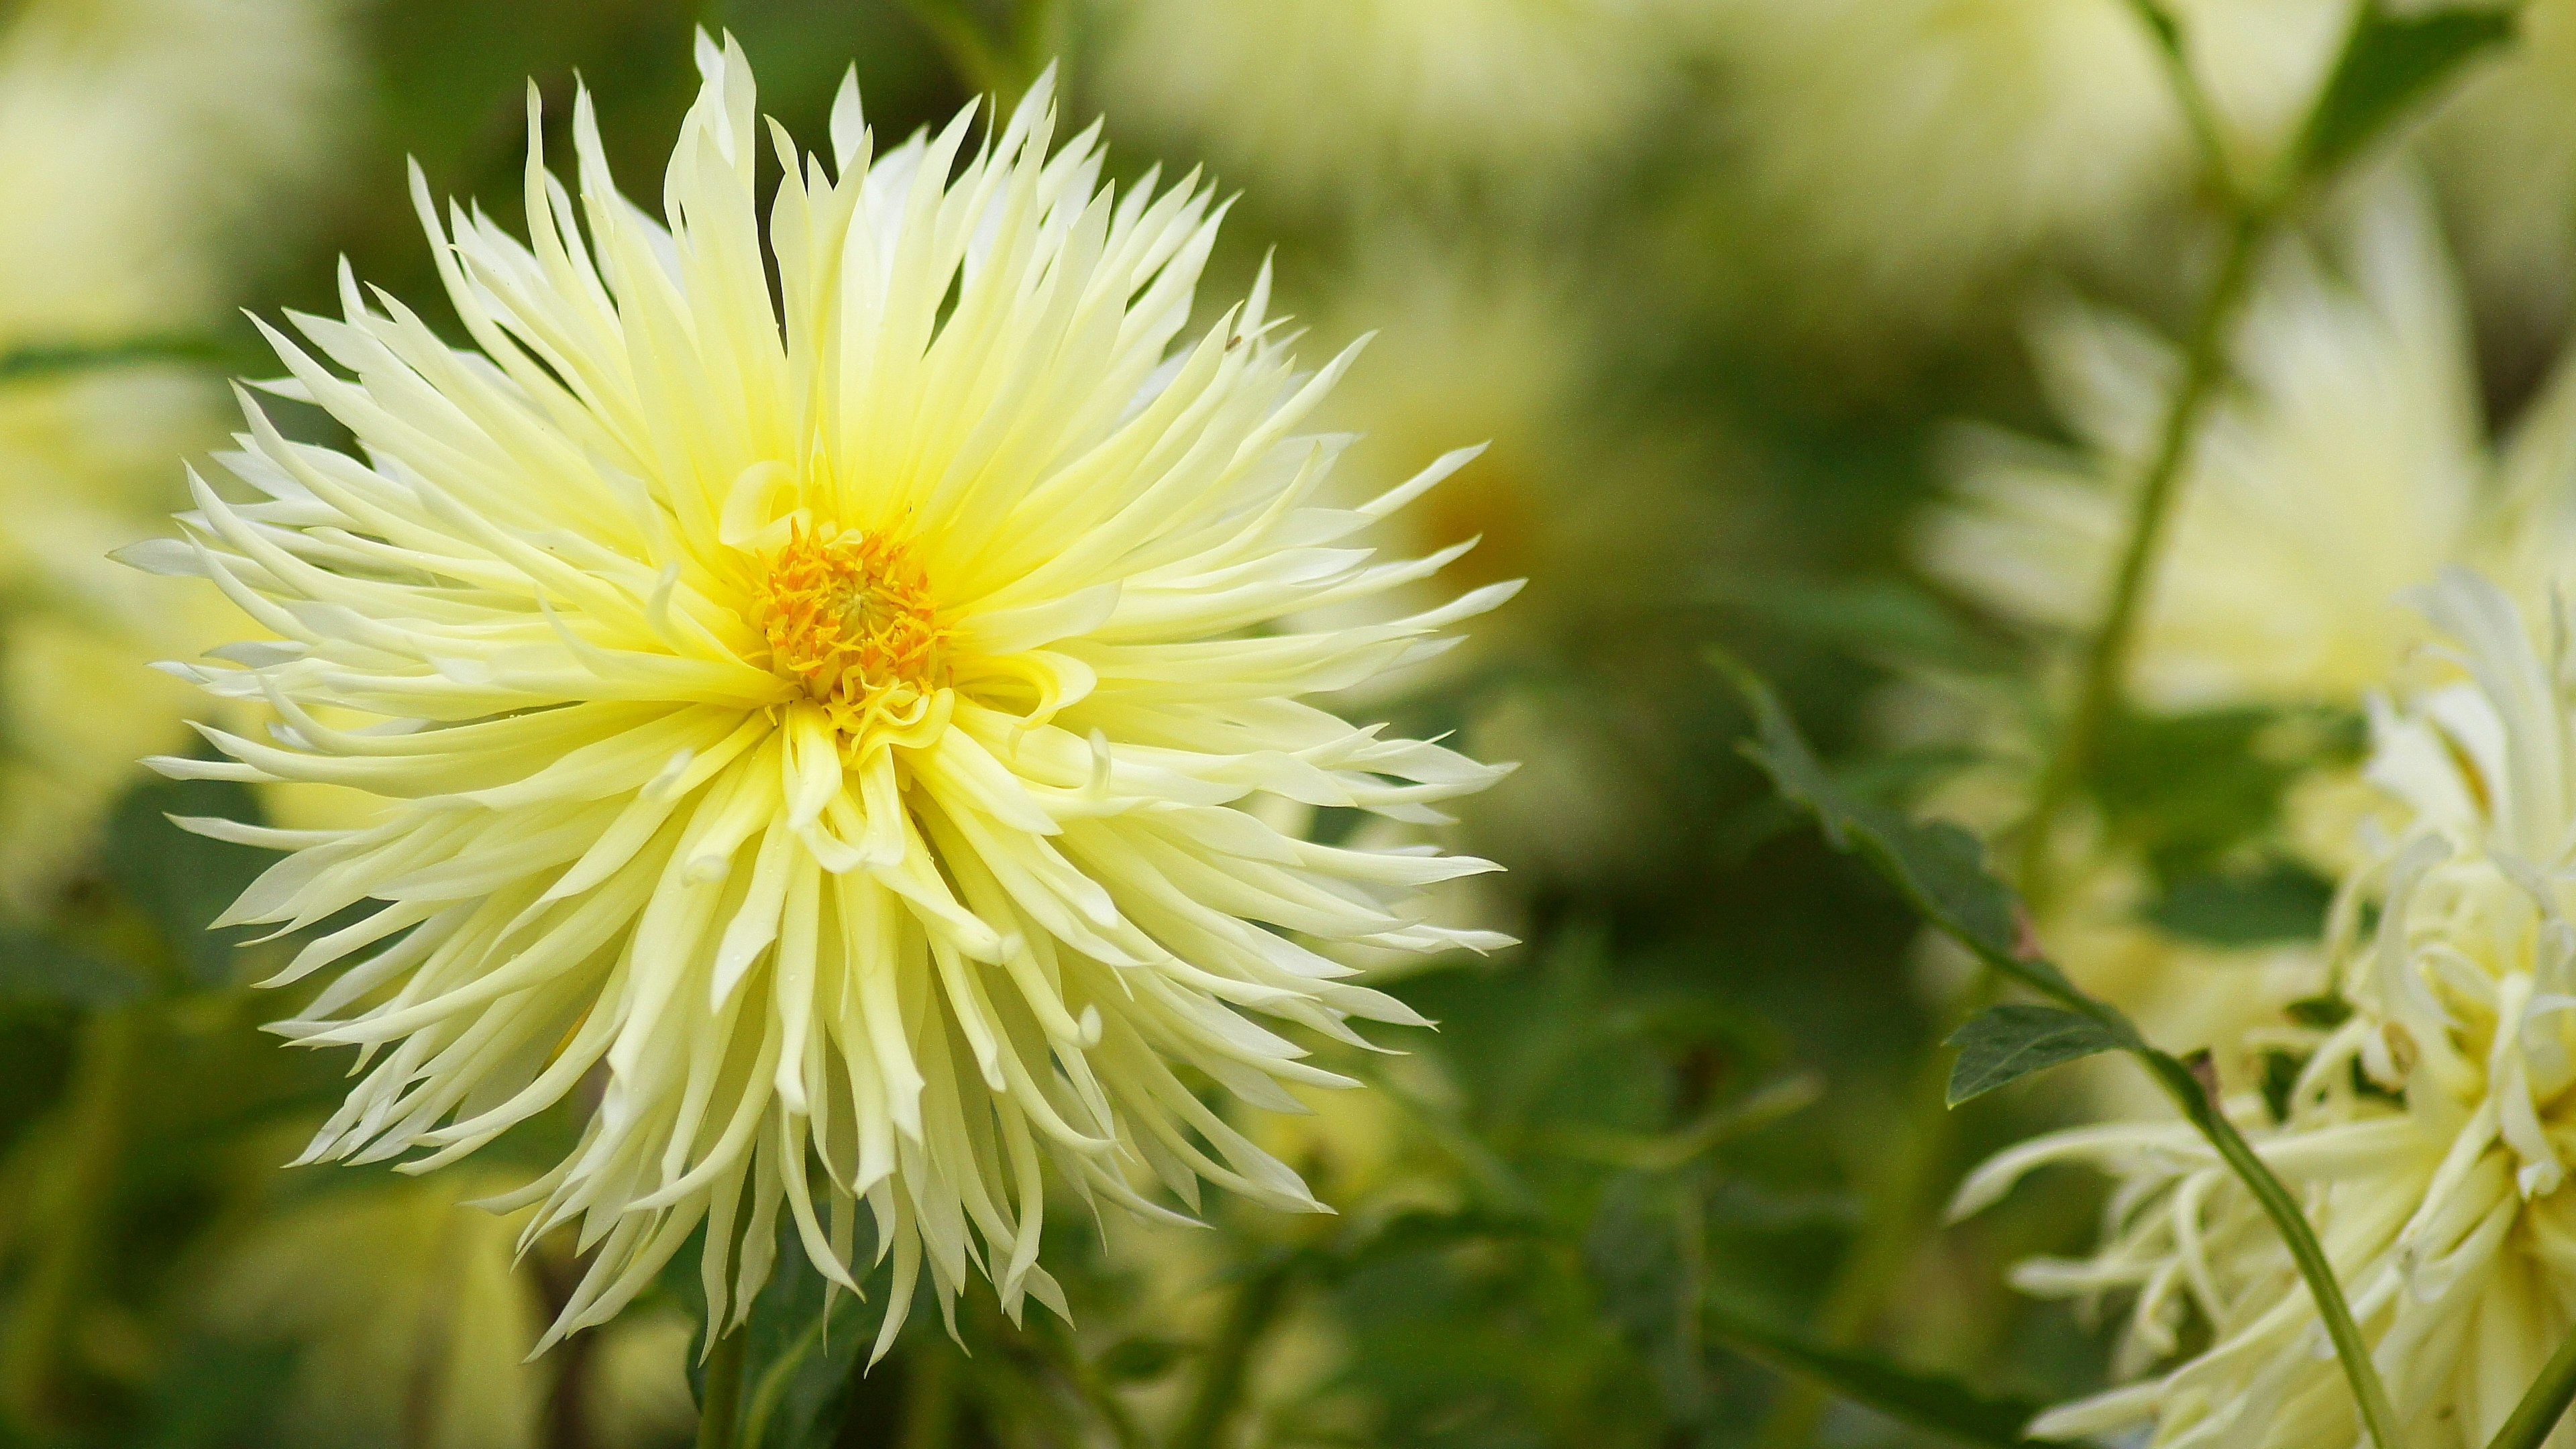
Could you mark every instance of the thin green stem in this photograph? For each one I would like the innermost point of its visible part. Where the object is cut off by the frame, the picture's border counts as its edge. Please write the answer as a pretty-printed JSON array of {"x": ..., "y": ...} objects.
[
  {"x": 1222, "y": 1371},
  {"x": 2378, "y": 1416},
  {"x": 720, "y": 1408},
  {"x": 2543, "y": 1404},
  {"x": 2199, "y": 111},
  {"x": 2106, "y": 661}
]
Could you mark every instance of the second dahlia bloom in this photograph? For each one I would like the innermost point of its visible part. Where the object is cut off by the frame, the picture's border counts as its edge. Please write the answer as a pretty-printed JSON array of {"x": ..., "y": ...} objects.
[
  {"x": 820, "y": 679},
  {"x": 2425, "y": 1111}
]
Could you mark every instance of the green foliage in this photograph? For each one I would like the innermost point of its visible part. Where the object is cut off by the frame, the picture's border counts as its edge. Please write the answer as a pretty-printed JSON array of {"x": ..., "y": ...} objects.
[
  {"x": 2193, "y": 789},
  {"x": 1938, "y": 868},
  {"x": 2394, "y": 57},
  {"x": 2281, "y": 902},
  {"x": 2005, "y": 1043},
  {"x": 1928, "y": 1401}
]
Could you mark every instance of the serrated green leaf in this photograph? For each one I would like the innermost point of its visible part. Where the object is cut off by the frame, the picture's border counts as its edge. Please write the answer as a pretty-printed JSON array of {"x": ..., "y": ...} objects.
[
  {"x": 2390, "y": 62},
  {"x": 2006, "y": 1043},
  {"x": 1938, "y": 867},
  {"x": 2283, "y": 902},
  {"x": 1925, "y": 1401}
]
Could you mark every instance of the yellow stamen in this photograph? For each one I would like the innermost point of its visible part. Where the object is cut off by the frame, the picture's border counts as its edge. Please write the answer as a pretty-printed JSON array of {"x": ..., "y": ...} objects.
[{"x": 850, "y": 617}]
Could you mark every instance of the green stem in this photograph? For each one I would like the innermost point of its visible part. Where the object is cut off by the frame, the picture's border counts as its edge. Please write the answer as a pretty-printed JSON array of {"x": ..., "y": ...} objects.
[
  {"x": 2106, "y": 662},
  {"x": 2198, "y": 110},
  {"x": 720, "y": 1409},
  {"x": 2544, "y": 1404},
  {"x": 2378, "y": 1416},
  {"x": 1221, "y": 1374},
  {"x": 93, "y": 1126}
]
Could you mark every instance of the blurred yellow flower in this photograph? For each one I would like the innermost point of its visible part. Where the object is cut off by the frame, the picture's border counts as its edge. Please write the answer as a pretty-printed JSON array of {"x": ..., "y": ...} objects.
[
  {"x": 830, "y": 720},
  {"x": 133, "y": 133},
  {"x": 1346, "y": 100},
  {"x": 2426, "y": 1133},
  {"x": 1907, "y": 154}
]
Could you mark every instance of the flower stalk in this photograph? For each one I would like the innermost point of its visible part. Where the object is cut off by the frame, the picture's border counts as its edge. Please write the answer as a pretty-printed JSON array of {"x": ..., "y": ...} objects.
[{"x": 720, "y": 1406}]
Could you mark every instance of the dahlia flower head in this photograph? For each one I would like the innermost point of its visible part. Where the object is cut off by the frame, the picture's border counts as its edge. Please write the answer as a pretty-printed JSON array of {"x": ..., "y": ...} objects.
[
  {"x": 833, "y": 721},
  {"x": 2427, "y": 1133},
  {"x": 1913, "y": 152},
  {"x": 2352, "y": 462}
]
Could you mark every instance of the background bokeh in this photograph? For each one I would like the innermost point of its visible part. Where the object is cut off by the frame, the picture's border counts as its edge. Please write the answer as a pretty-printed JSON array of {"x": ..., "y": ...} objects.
[{"x": 1831, "y": 334}]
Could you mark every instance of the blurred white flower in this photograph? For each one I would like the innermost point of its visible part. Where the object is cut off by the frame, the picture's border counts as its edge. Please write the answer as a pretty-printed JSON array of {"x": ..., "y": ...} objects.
[
  {"x": 1320, "y": 100},
  {"x": 2426, "y": 1134},
  {"x": 828, "y": 714},
  {"x": 2505, "y": 155},
  {"x": 2349, "y": 463},
  {"x": 134, "y": 136},
  {"x": 1907, "y": 153}
]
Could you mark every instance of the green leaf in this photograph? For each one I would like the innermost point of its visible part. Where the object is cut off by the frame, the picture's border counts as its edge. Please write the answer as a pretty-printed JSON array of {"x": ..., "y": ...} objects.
[
  {"x": 2390, "y": 62},
  {"x": 2283, "y": 902},
  {"x": 36, "y": 968},
  {"x": 2006, "y": 1043},
  {"x": 2192, "y": 789},
  {"x": 1938, "y": 867},
  {"x": 1925, "y": 1401},
  {"x": 181, "y": 881},
  {"x": 46, "y": 360}
]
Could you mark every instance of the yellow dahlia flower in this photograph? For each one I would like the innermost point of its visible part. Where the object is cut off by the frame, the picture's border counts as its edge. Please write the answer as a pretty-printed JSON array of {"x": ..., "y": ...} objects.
[
  {"x": 132, "y": 132},
  {"x": 826, "y": 694},
  {"x": 2426, "y": 1133},
  {"x": 1913, "y": 151},
  {"x": 1325, "y": 100}
]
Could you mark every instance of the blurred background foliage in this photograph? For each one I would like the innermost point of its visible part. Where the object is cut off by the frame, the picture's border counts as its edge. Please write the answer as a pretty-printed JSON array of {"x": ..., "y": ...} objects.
[{"x": 1836, "y": 334}]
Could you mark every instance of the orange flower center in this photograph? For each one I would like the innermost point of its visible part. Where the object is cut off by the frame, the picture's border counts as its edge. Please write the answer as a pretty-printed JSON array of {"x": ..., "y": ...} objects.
[{"x": 851, "y": 618}]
